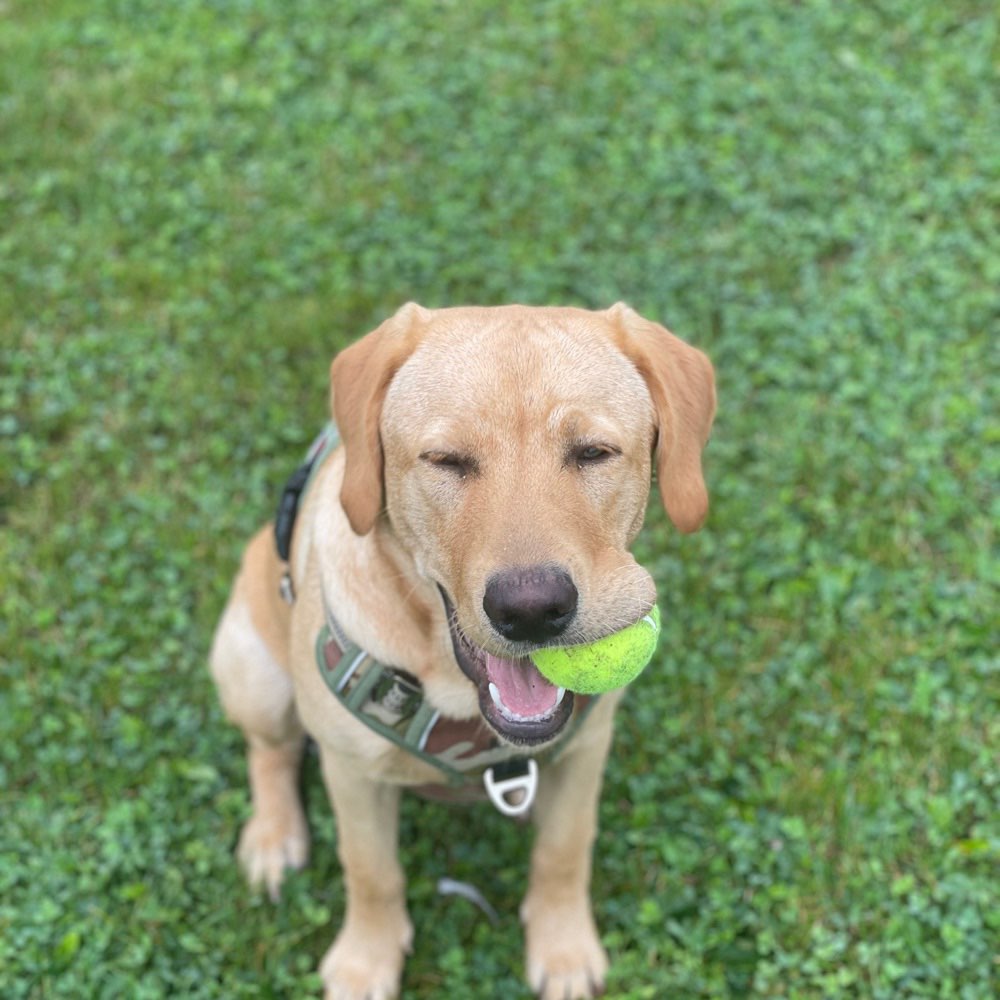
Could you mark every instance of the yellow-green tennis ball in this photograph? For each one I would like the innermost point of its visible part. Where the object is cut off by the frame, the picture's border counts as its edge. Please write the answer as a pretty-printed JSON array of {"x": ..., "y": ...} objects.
[{"x": 604, "y": 665}]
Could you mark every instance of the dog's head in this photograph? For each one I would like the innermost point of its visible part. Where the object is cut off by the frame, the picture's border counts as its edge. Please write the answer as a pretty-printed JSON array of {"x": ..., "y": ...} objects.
[{"x": 510, "y": 450}]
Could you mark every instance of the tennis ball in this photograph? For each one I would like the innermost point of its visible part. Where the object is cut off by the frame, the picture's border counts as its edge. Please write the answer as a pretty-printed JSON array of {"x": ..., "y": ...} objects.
[{"x": 604, "y": 665}]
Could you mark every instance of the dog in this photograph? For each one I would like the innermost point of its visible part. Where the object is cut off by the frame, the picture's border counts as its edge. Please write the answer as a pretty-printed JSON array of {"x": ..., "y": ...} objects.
[{"x": 494, "y": 469}]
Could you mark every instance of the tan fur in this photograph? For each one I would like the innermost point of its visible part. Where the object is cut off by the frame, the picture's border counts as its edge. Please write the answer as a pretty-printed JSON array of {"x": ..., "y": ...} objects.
[{"x": 515, "y": 389}]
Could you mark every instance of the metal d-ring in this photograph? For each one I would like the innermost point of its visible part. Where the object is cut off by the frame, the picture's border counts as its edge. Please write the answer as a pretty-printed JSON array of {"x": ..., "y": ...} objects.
[{"x": 503, "y": 791}]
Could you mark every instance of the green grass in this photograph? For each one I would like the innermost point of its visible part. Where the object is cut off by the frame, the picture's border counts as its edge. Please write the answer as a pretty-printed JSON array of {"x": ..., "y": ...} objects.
[{"x": 201, "y": 202}]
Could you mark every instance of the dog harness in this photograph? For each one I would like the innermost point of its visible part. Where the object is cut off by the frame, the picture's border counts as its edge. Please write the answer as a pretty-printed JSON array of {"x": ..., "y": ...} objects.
[{"x": 391, "y": 701}]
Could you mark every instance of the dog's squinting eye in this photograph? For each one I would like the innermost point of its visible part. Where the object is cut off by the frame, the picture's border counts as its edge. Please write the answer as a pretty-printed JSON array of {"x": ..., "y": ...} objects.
[
  {"x": 461, "y": 465},
  {"x": 592, "y": 454}
]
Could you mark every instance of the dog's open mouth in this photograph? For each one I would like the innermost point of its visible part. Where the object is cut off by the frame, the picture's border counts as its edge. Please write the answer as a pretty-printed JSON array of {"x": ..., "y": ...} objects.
[{"x": 515, "y": 699}]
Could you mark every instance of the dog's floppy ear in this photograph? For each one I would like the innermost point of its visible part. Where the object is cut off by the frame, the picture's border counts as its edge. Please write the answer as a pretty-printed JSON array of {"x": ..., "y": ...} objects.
[
  {"x": 682, "y": 385},
  {"x": 359, "y": 378}
]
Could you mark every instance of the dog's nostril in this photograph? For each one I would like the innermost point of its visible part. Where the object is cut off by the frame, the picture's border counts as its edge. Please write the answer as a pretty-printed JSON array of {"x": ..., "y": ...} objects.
[{"x": 531, "y": 604}]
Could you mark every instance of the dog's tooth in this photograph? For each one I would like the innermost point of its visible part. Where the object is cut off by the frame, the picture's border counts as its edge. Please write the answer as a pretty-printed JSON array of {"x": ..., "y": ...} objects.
[
  {"x": 495, "y": 695},
  {"x": 560, "y": 694}
]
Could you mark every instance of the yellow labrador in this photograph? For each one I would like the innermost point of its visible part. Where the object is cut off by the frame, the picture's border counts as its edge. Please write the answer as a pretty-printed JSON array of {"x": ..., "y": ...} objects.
[{"x": 494, "y": 470}]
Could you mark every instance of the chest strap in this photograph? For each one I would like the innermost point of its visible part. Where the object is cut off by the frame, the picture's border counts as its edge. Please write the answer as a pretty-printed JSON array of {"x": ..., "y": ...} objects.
[
  {"x": 392, "y": 703},
  {"x": 465, "y": 751}
]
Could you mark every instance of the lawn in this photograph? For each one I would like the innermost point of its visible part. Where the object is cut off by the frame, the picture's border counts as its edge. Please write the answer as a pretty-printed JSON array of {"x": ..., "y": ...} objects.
[{"x": 200, "y": 202}]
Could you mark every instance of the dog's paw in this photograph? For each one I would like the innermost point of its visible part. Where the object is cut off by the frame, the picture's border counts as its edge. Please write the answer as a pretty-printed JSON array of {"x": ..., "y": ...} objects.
[
  {"x": 565, "y": 958},
  {"x": 269, "y": 846},
  {"x": 365, "y": 966}
]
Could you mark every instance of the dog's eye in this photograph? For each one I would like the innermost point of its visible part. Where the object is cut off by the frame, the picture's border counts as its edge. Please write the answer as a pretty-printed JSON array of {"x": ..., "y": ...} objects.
[
  {"x": 461, "y": 465},
  {"x": 593, "y": 454}
]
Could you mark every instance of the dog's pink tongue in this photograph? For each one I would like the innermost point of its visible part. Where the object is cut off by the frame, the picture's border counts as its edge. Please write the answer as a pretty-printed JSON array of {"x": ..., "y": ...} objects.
[{"x": 522, "y": 688}]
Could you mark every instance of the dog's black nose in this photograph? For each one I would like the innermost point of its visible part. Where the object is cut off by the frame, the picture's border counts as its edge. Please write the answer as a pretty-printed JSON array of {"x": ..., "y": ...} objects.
[{"x": 530, "y": 604}]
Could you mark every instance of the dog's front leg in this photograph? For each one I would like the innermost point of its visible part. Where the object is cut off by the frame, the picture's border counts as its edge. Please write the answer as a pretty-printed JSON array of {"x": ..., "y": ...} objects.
[
  {"x": 565, "y": 958},
  {"x": 365, "y": 961}
]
